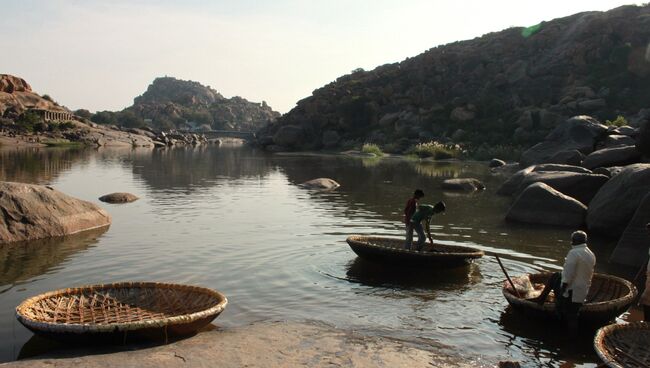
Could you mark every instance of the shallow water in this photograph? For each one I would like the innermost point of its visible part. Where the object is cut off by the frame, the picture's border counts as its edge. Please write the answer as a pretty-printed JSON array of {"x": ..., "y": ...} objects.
[{"x": 234, "y": 219}]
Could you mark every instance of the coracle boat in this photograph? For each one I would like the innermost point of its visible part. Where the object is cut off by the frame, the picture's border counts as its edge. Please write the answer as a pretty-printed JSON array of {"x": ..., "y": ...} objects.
[
  {"x": 624, "y": 345},
  {"x": 101, "y": 310},
  {"x": 608, "y": 297},
  {"x": 391, "y": 251}
]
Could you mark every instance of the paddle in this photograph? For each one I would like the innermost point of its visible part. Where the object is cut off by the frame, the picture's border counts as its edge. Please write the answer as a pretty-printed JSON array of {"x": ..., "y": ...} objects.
[{"x": 512, "y": 284}]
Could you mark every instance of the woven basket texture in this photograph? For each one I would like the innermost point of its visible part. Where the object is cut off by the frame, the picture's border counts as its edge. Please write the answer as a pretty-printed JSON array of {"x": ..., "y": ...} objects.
[
  {"x": 624, "y": 345},
  {"x": 397, "y": 245},
  {"x": 119, "y": 307}
]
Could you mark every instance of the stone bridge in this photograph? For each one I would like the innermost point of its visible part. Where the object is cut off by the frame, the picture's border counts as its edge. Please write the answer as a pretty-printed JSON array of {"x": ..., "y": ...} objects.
[{"x": 212, "y": 134}]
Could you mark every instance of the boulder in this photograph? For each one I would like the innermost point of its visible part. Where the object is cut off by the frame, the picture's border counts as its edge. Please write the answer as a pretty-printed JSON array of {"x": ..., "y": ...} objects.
[
  {"x": 495, "y": 162},
  {"x": 578, "y": 133},
  {"x": 626, "y": 130},
  {"x": 541, "y": 204},
  {"x": 35, "y": 212},
  {"x": 632, "y": 247},
  {"x": 643, "y": 139},
  {"x": 571, "y": 157},
  {"x": 615, "y": 203},
  {"x": 616, "y": 140},
  {"x": 615, "y": 156},
  {"x": 320, "y": 184},
  {"x": 288, "y": 136},
  {"x": 561, "y": 167},
  {"x": 465, "y": 184},
  {"x": 119, "y": 198},
  {"x": 608, "y": 171},
  {"x": 580, "y": 186}
]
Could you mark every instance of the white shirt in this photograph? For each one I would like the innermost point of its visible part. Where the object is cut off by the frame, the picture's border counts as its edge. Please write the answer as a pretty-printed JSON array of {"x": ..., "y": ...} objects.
[{"x": 577, "y": 272}]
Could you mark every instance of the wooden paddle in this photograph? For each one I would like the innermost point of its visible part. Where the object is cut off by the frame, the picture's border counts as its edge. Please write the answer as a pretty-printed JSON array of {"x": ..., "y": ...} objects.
[{"x": 512, "y": 284}]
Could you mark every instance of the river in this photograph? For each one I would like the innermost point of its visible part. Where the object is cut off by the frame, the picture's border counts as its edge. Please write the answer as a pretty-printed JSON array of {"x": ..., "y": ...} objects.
[{"x": 233, "y": 219}]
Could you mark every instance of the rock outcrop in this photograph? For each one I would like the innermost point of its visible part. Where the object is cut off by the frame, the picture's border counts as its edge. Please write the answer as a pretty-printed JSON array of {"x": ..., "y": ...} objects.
[
  {"x": 173, "y": 103},
  {"x": 35, "y": 212},
  {"x": 615, "y": 203},
  {"x": 119, "y": 197},
  {"x": 541, "y": 204},
  {"x": 615, "y": 156},
  {"x": 16, "y": 96},
  {"x": 513, "y": 86}
]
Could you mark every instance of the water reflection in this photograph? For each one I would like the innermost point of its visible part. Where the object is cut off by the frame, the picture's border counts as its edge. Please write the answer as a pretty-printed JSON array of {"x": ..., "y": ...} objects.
[
  {"x": 38, "y": 165},
  {"x": 23, "y": 261},
  {"x": 375, "y": 274}
]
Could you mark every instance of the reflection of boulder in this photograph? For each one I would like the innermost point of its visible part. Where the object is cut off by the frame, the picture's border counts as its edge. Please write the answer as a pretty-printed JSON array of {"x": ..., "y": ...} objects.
[
  {"x": 541, "y": 204},
  {"x": 25, "y": 260},
  {"x": 119, "y": 198},
  {"x": 321, "y": 184},
  {"x": 36, "y": 212},
  {"x": 464, "y": 184},
  {"x": 615, "y": 204}
]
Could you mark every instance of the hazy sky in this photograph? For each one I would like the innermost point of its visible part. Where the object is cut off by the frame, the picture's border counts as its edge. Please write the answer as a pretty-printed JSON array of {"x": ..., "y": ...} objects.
[{"x": 99, "y": 55}]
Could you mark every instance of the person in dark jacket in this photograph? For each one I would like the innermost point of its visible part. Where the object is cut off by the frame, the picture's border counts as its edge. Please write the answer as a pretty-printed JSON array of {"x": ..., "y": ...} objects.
[{"x": 409, "y": 210}]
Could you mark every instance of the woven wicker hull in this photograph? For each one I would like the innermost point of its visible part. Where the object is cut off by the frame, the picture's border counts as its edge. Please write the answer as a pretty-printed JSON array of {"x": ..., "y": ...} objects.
[
  {"x": 120, "y": 309},
  {"x": 609, "y": 296},
  {"x": 390, "y": 251},
  {"x": 624, "y": 345}
]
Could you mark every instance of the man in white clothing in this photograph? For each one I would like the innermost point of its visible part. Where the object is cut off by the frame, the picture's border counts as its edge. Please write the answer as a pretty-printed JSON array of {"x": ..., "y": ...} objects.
[{"x": 572, "y": 285}]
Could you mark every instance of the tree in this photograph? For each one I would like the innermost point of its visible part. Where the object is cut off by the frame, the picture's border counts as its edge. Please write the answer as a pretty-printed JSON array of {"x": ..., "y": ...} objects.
[{"x": 104, "y": 118}]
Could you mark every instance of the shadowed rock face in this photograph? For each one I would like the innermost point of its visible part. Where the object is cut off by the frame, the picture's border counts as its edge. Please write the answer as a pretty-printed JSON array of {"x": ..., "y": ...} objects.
[
  {"x": 615, "y": 203},
  {"x": 34, "y": 212},
  {"x": 541, "y": 204}
]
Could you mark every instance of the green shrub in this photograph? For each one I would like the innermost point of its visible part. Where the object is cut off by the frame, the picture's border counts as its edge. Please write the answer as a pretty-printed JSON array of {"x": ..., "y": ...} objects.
[
  {"x": 618, "y": 122},
  {"x": 437, "y": 150},
  {"x": 372, "y": 148}
]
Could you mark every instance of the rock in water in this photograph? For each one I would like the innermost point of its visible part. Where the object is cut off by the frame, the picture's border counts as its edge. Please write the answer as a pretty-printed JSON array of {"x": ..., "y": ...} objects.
[
  {"x": 615, "y": 203},
  {"x": 119, "y": 198},
  {"x": 321, "y": 184},
  {"x": 541, "y": 204},
  {"x": 35, "y": 212},
  {"x": 466, "y": 184},
  {"x": 495, "y": 162}
]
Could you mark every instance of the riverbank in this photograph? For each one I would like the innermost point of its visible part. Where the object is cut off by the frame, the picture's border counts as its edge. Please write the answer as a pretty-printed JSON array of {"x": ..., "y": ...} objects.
[{"x": 269, "y": 344}]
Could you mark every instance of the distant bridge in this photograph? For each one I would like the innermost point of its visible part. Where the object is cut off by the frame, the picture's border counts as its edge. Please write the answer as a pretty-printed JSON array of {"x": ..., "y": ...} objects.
[{"x": 229, "y": 134}]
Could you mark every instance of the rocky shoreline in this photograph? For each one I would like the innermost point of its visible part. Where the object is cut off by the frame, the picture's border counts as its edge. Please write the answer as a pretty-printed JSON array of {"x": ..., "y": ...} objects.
[{"x": 269, "y": 344}]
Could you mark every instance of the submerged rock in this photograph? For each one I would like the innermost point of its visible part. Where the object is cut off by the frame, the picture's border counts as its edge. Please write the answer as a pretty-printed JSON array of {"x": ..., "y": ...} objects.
[
  {"x": 466, "y": 184},
  {"x": 541, "y": 204},
  {"x": 35, "y": 212},
  {"x": 321, "y": 184},
  {"x": 119, "y": 198}
]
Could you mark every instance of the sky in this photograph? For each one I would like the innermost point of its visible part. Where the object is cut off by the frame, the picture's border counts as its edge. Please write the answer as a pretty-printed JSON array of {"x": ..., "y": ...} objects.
[{"x": 99, "y": 55}]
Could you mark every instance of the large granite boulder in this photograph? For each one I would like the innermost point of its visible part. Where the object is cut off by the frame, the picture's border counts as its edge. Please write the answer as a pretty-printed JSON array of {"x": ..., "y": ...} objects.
[
  {"x": 580, "y": 186},
  {"x": 632, "y": 247},
  {"x": 541, "y": 204},
  {"x": 578, "y": 133},
  {"x": 615, "y": 156},
  {"x": 320, "y": 184},
  {"x": 119, "y": 197},
  {"x": 616, "y": 140},
  {"x": 615, "y": 203},
  {"x": 513, "y": 184},
  {"x": 35, "y": 212},
  {"x": 463, "y": 184}
]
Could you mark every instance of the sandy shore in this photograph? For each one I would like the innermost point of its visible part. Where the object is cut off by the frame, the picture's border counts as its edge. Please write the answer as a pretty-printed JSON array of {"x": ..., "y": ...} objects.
[{"x": 269, "y": 344}]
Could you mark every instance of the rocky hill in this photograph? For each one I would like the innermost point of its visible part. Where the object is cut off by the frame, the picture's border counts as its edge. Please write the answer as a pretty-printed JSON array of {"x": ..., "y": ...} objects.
[
  {"x": 173, "y": 103},
  {"x": 16, "y": 97},
  {"x": 505, "y": 88}
]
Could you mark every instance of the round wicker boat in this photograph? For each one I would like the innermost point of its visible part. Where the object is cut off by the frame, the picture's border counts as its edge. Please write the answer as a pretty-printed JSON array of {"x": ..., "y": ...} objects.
[
  {"x": 121, "y": 307},
  {"x": 608, "y": 297},
  {"x": 391, "y": 251},
  {"x": 624, "y": 345}
]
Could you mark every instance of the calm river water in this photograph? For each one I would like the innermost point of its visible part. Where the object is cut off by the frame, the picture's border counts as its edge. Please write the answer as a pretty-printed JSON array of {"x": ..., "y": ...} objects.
[{"x": 234, "y": 219}]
